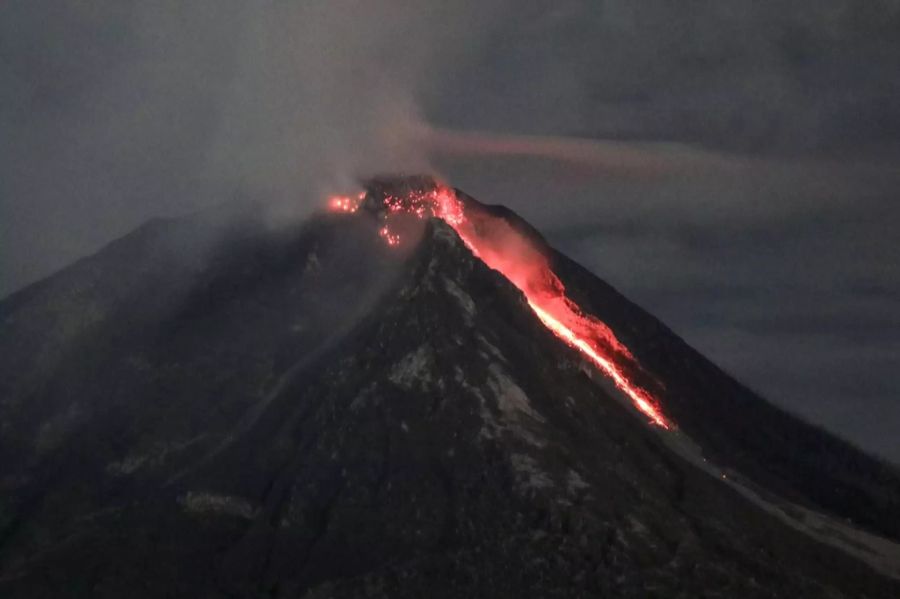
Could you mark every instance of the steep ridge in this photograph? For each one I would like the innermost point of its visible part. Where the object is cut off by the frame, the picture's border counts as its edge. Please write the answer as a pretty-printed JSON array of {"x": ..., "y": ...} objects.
[
  {"x": 318, "y": 414},
  {"x": 735, "y": 427}
]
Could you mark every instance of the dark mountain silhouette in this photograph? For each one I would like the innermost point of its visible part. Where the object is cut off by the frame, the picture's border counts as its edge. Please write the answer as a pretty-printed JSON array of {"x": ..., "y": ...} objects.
[{"x": 212, "y": 407}]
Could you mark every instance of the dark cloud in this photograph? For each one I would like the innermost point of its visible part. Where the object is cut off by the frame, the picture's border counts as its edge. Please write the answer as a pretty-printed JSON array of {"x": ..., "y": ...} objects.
[
  {"x": 764, "y": 231},
  {"x": 748, "y": 76}
]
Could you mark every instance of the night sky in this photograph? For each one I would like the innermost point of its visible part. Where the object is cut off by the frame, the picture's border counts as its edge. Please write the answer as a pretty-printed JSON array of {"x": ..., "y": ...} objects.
[{"x": 759, "y": 218}]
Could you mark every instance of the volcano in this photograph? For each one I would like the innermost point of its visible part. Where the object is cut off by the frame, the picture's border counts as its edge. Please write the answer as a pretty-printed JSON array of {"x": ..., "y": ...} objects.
[{"x": 409, "y": 394}]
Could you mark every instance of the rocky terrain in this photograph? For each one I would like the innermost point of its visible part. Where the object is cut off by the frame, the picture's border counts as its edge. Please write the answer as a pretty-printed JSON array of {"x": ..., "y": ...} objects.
[{"x": 209, "y": 407}]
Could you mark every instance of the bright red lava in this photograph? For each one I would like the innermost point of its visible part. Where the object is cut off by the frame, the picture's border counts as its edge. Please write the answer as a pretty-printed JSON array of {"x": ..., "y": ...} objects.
[{"x": 504, "y": 249}]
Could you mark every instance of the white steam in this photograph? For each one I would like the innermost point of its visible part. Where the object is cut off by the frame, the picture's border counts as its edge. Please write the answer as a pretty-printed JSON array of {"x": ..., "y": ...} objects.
[{"x": 324, "y": 93}]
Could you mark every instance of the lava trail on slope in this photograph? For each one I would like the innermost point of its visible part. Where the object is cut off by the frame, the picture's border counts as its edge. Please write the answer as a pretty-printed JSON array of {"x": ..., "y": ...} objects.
[{"x": 511, "y": 253}]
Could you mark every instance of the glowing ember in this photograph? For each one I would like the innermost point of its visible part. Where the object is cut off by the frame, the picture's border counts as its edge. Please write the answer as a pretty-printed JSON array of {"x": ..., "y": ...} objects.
[
  {"x": 392, "y": 239},
  {"x": 345, "y": 203},
  {"x": 505, "y": 249}
]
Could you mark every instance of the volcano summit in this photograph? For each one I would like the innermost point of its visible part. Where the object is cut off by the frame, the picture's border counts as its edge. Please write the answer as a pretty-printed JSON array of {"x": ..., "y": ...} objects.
[{"x": 410, "y": 394}]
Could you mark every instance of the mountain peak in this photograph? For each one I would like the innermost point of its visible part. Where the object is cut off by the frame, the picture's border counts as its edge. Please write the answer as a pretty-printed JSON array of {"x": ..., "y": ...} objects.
[{"x": 317, "y": 411}]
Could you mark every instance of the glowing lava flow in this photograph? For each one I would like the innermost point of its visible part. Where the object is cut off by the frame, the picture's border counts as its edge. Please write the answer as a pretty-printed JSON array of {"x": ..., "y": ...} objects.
[
  {"x": 504, "y": 249},
  {"x": 641, "y": 399}
]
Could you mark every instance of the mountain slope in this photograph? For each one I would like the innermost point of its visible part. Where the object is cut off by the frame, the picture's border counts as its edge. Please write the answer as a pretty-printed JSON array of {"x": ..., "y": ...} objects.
[
  {"x": 309, "y": 412},
  {"x": 736, "y": 427}
]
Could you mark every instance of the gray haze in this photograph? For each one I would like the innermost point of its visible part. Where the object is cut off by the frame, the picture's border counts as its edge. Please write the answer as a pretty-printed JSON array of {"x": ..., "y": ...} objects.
[{"x": 768, "y": 243}]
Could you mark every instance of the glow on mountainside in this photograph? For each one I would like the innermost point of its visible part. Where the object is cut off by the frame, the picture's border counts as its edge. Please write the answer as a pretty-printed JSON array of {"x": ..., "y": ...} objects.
[{"x": 508, "y": 251}]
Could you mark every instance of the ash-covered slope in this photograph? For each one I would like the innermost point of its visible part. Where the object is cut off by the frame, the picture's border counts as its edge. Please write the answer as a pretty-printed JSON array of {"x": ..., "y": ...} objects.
[
  {"x": 734, "y": 426},
  {"x": 310, "y": 412}
]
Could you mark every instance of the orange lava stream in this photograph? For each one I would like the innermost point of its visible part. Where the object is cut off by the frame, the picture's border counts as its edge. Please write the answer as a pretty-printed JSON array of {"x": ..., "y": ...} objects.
[
  {"x": 640, "y": 398},
  {"x": 507, "y": 251}
]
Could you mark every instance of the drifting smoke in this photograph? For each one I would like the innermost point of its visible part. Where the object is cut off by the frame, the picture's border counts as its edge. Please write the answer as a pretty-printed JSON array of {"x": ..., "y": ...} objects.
[
  {"x": 214, "y": 101},
  {"x": 603, "y": 157},
  {"x": 116, "y": 112}
]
